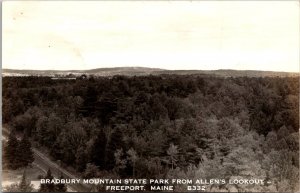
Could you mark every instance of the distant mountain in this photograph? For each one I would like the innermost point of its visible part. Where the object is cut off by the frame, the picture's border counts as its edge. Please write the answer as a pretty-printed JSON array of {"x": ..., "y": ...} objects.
[
  {"x": 234, "y": 73},
  {"x": 142, "y": 71},
  {"x": 128, "y": 71}
]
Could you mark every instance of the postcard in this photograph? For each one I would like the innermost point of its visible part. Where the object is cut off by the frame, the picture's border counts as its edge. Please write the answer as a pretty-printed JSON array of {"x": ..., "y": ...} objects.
[{"x": 150, "y": 96}]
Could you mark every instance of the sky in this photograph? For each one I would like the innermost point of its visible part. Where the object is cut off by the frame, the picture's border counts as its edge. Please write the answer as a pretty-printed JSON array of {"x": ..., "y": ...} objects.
[{"x": 204, "y": 35}]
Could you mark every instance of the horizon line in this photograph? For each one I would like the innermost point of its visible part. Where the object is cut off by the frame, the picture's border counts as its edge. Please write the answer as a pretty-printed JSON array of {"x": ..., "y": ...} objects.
[{"x": 162, "y": 69}]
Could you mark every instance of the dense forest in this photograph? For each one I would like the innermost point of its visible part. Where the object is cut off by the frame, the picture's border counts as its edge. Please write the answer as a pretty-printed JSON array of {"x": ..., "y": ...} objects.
[{"x": 167, "y": 126}]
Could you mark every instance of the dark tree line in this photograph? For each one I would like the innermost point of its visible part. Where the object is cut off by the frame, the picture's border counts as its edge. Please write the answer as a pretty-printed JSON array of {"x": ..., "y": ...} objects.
[
  {"x": 17, "y": 154},
  {"x": 163, "y": 126}
]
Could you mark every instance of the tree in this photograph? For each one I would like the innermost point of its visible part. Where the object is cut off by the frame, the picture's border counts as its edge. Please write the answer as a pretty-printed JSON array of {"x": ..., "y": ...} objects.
[
  {"x": 98, "y": 149},
  {"x": 282, "y": 132},
  {"x": 90, "y": 171},
  {"x": 132, "y": 157},
  {"x": 174, "y": 107},
  {"x": 25, "y": 186},
  {"x": 10, "y": 153},
  {"x": 89, "y": 103},
  {"x": 54, "y": 126},
  {"x": 49, "y": 187},
  {"x": 114, "y": 143},
  {"x": 23, "y": 121},
  {"x": 25, "y": 153},
  {"x": 173, "y": 153},
  {"x": 70, "y": 139},
  {"x": 120, "y": 162},
  {"x": 61, "y": 187},
  {"x": 81, "y": 158},
  {"x": 42, "y": 131}
]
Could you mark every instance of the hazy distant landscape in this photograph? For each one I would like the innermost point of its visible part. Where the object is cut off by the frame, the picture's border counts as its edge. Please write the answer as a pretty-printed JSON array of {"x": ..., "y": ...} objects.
[{"x": 141, "y": 71}]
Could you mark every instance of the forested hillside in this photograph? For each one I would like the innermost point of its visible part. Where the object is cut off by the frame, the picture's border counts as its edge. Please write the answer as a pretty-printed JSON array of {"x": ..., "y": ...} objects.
[{"x": 168, "y": 126}]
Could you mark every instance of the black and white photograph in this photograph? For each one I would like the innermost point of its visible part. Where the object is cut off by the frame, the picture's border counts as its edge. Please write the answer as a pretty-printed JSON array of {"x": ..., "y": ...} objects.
[{"x": 150, "y": 96}]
